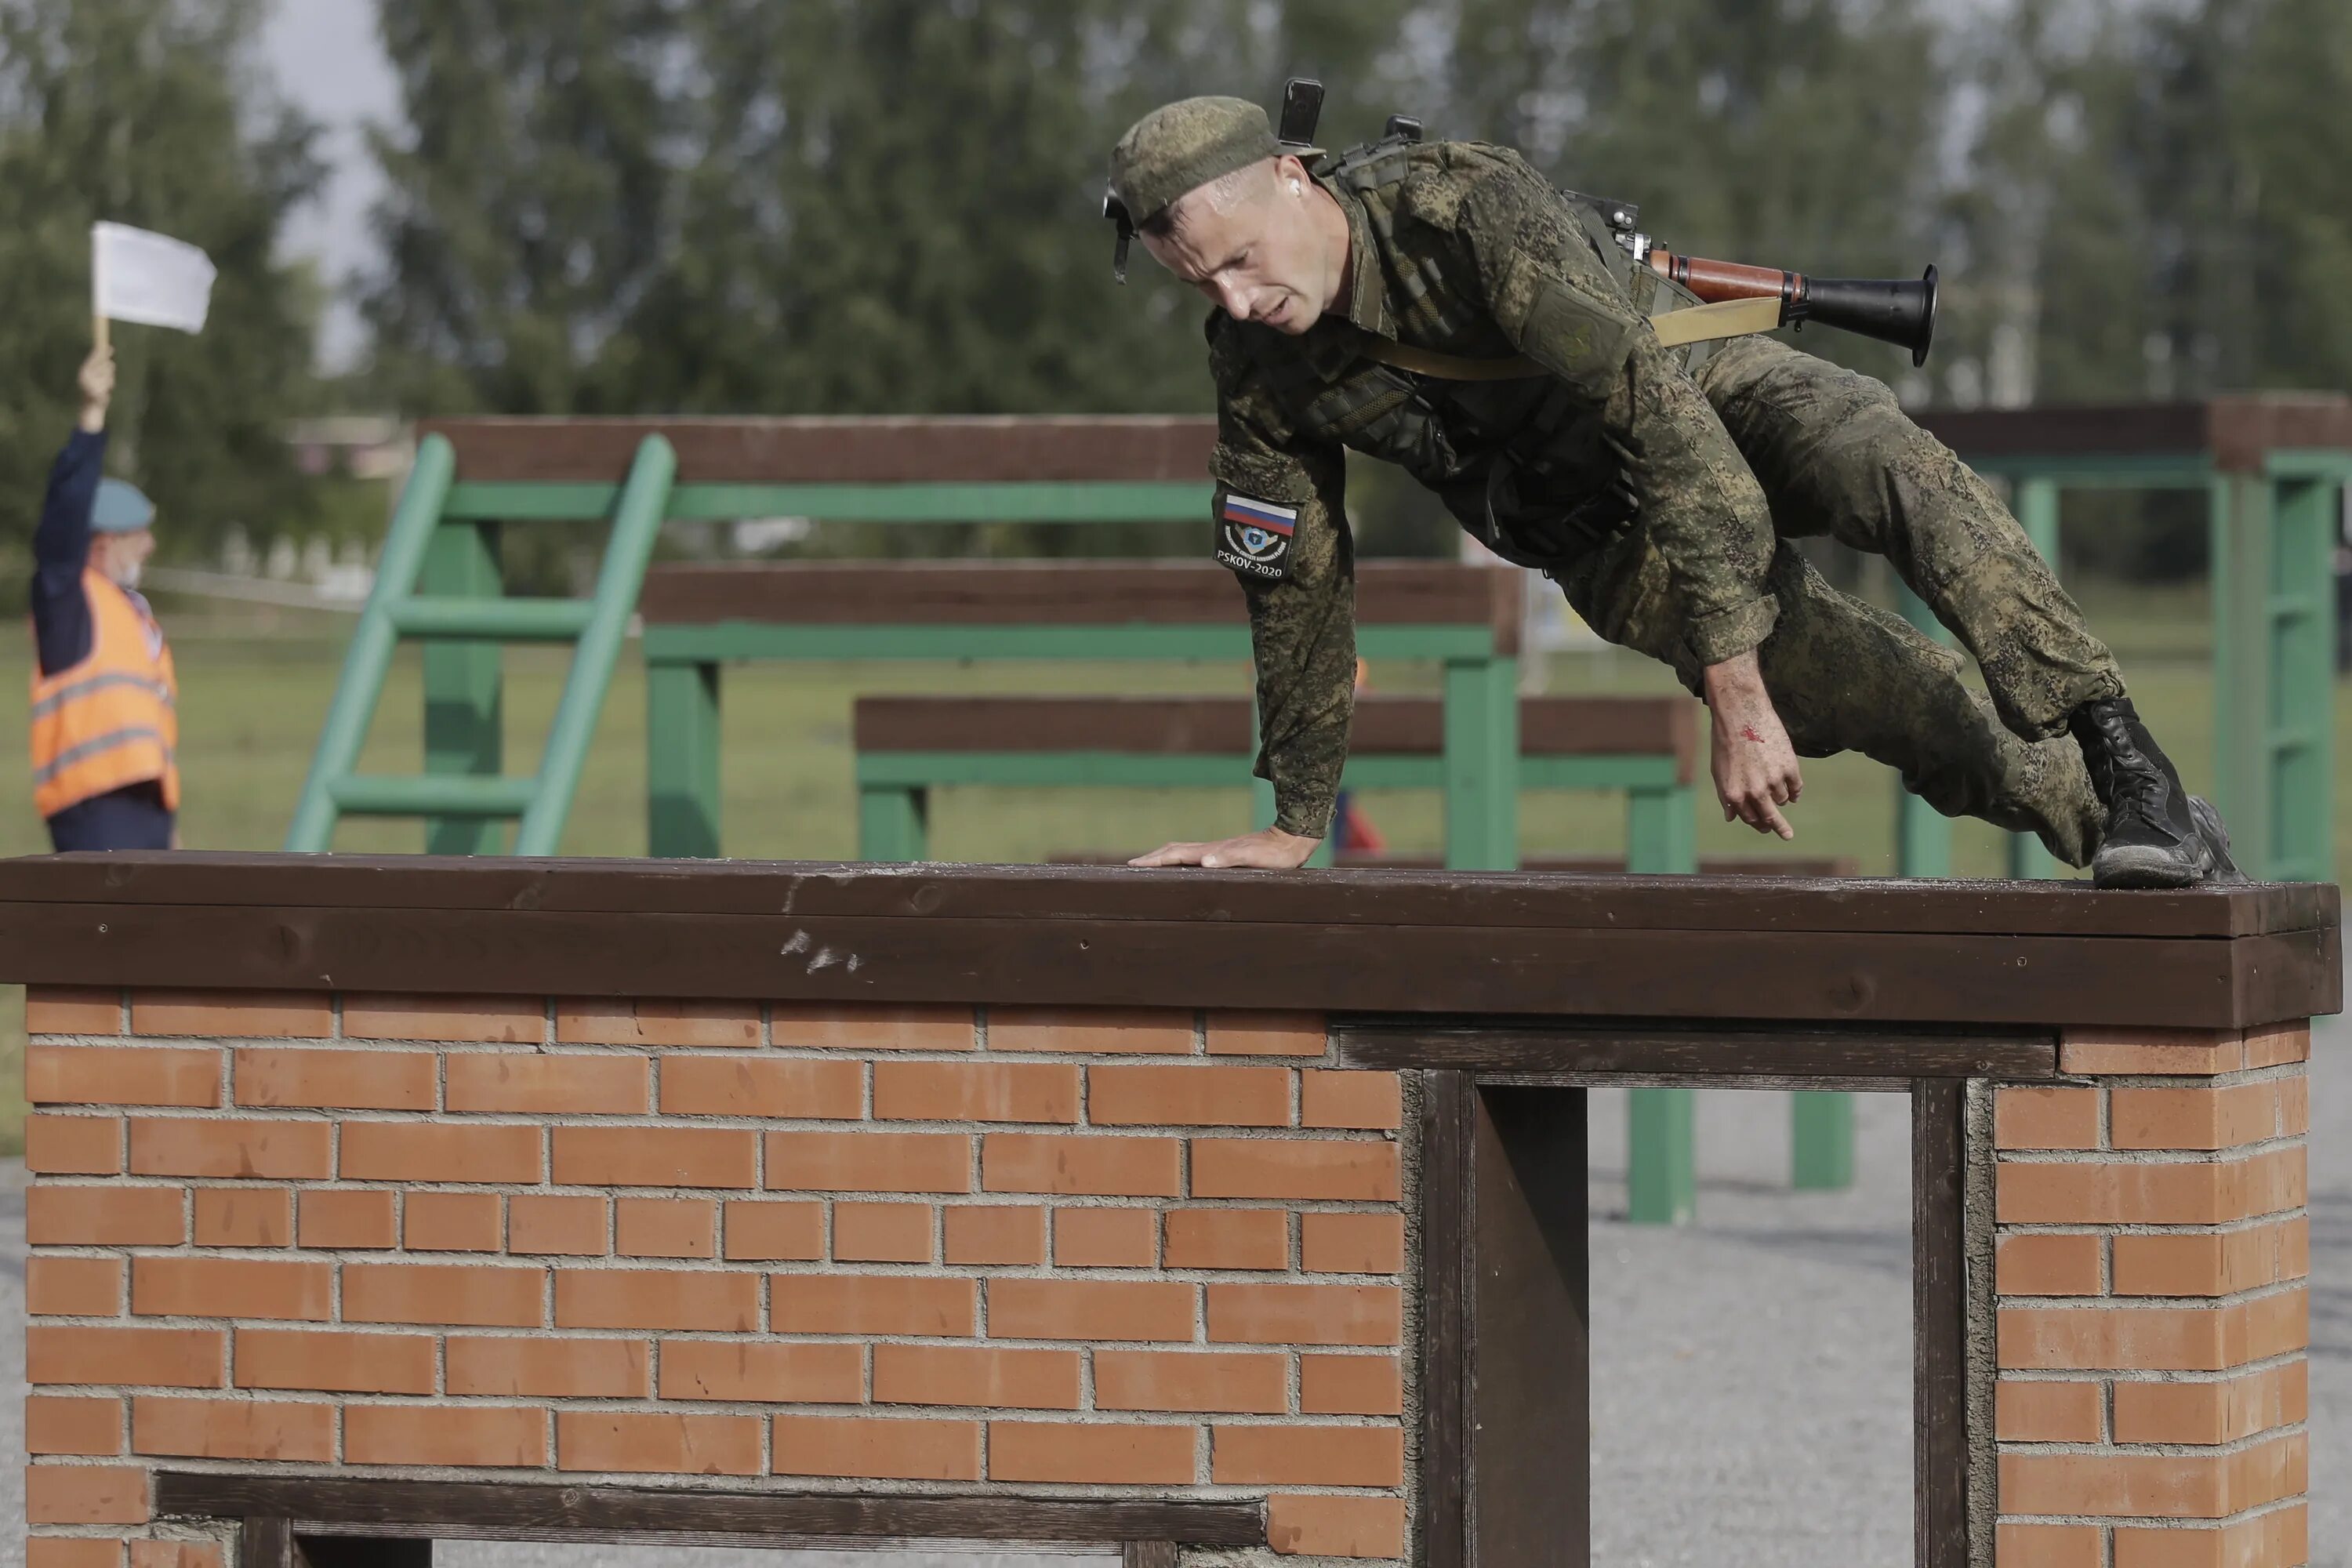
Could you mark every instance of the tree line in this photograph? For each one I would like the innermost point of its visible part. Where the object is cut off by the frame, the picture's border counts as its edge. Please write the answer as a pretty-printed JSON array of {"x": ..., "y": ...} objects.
[{"x": 889, "y": 206}]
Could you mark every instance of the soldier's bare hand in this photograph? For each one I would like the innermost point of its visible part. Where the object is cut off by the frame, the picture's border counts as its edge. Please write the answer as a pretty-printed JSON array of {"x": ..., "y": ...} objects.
[
  {"x": 1269, "y": 849},
  {"x": 97, "y": 384},
  {"x": 1754, "y": 764}
]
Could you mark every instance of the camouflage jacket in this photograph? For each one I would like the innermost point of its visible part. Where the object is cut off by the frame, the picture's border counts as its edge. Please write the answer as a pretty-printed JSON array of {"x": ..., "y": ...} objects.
[{"x": 1463, "y": 248}]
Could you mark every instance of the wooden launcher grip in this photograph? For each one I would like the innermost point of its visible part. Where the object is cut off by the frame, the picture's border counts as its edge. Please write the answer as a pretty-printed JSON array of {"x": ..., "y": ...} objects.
[{"x": 1716, "y": 280}]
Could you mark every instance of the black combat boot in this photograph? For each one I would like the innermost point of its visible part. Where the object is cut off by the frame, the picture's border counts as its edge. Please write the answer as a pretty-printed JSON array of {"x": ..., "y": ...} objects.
[{"x": 2158, "y": 834}]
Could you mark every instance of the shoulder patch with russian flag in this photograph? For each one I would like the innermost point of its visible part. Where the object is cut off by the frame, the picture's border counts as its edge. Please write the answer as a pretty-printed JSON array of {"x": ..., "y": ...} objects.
[{"x": 1254, "y": 536}]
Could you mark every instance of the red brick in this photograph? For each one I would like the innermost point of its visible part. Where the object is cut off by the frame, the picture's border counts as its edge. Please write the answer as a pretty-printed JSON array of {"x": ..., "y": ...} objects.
[
  {"x": 73, "y": 1145},
  {"x": 85, "y": 1494},
  {"x": 110, "y": 1216},
  {"x": 805, "y": 1087},
  {"x": 74, "y": 1552},
  {"x": 901, "y": 1304},
  {"x": 976, "y": 1375},
  {"x": 121, "y": 1075},
  {"x": 62, "y": 1424},
  {"x": 2101, "y": 1192},
  {"x": 665, "y": 1227},
  {"x": 1091, "y": 1453},
  {"x": 656, "y": 1299},
  {"x": 1073, "y": 1163},
  {"x": 1266, "y": 1035},
  {"x": 1306, "y": 1456},
  {"x": 1336, "y": 1526},
  {"x": 151, "y": 1358},
  {"x": 416, "y": 1152},
  {"x": 175, "y": 1554},
  {"x": 347, "y": 1220},
  {"x": 2199, "y": 1053},
  {"x": 245, "y": 1216},
  {"x": 567, "y": 1083},
  {"x": 234, "y": 1014},
  {"x": 555, "y": 1223},
  {"x": 993, "y": 1233},
  {"x": 2039, "y": 1412},
  {"x": 463, "y": 1295},
  {"x": 484, "y": 1434},
  {"x": 1372, "y": 1101},
  {"x": 1091, "y": 1031},
  {"x": 333, "y": 1362},
  {"x": 2048, "y": 1546},
  {"x": 1105, "y": 1239},
  {"x": 450, "y": 1222},
  {"x": 490, "y": 1020},
  {"x": 549, "y": 1366},
  {"x": 2200, "y": 1118},
  {"x": 2295, "y": 1105},
  {"x": 865, "y": 1448},
  {"x": 1351, "y": 1243},
  {"x": 1214, "y": 1095},
  {"x": 735, "y": 1370},
  {"x": 241, "y": 1150},
  {"x": 1228, "y": 1238},
  {"x": 2156, "y": 1486},
  {"x": 1273, "y": 1314},
  {"x": 2041, "y": 1118},
  {"x": 2040, "y": 1264},
  {"x": 2154, "y": 1338},
  {"x": 656, "y": 1442},
  {"x": 2278, "y": 1044},
  {"x": 1295, "y": 1168},
  {"x": 770, "y": 1231},
  {"x": 647, "y": 1023},
  {"x": 860, "y": 1027},
  {"x": 343, "y": 1080},
  {"x": 1193, "y": 1380},
  {"x": 73, "y": 1287},
  {"x": 2224, "y": 1411},
  {"x": 233, "y": 1428},
  {"x": 870, "y": 1162},
  {"x": 230, "y": 1288},
  {"x": 69, "y": 1010},
  {"x": 1115, "y": 1309},
  {"x": 976, "y": 1091},
  {"x": 881, "y": 1233},
  {"x": 2279, "y": 1536},
  {"x": 1349, "y": 1385},
  {"x": 2210, "y": 1265}
]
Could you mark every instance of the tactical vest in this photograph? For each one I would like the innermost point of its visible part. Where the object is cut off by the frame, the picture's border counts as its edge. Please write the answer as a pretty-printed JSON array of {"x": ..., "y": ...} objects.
[{"x": 1521, "y": 463}]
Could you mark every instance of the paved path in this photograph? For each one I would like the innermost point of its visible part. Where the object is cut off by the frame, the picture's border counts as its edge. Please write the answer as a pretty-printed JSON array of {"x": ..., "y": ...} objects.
[{"x": 1752, "y": 1377}]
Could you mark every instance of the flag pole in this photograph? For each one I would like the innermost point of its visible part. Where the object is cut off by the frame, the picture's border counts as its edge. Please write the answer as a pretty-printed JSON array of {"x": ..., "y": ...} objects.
[{"x": 97, "y": 291}]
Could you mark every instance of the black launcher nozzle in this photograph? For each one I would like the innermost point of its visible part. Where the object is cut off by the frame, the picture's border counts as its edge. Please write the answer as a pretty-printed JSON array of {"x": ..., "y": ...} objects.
[{"x": 1893, "y": 311}]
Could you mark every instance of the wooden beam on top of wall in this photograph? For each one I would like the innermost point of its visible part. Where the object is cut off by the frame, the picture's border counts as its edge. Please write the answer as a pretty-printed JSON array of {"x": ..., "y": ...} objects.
[
  {"x": 1939, "y": 1344},
  {"x": 1526, "y": 1051}
]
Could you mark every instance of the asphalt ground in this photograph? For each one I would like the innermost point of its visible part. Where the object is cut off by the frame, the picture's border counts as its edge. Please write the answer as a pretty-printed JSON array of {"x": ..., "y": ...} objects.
[{"x": 1751, "y": 1372}]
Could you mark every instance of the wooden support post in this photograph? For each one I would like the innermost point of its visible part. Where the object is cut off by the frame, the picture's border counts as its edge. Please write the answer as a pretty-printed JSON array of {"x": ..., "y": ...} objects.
[
  {"x": 682, "y": 761},
  {"x": 465, "y": 713},
  {"x": 1939, "y": 1401},
  {"x": 893, "y": 822},
  {"x": 1923, "y": 836},
  {"x": 1442, "y": 1518},
  {"x": 1661, "y": 1125},
  {"x": 2037, "y": 513},
  {"x": 1482, "y": 765}
]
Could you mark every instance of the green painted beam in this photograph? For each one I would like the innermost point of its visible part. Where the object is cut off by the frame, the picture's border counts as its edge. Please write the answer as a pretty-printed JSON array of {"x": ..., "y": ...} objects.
[
  {"x": 433, "y": 795},
  {"x": 465, "y": 692},
  {"x": 1142, "y": 500},
  {"x": 491, "y": 619}
]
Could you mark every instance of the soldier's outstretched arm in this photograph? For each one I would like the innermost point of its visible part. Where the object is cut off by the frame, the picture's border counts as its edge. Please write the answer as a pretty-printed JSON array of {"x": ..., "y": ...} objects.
[{"x": 1281, "y": 528}]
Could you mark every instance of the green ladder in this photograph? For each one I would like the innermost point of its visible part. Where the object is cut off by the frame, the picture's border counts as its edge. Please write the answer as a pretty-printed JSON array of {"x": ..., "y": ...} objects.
[{"x": 463, "y": 616}]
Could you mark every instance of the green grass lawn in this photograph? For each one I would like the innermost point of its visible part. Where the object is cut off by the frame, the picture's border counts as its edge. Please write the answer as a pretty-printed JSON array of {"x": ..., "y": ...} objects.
[{"x": 253, "y": 699}]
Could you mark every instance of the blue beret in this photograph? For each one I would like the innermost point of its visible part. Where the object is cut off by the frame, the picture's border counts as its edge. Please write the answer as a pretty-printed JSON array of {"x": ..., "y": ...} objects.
[{"x": 120, "y": 508}]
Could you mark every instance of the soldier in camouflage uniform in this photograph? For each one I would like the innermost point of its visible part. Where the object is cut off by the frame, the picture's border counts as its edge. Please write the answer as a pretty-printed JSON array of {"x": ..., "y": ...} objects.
[{"x": 1654, "y": 485}]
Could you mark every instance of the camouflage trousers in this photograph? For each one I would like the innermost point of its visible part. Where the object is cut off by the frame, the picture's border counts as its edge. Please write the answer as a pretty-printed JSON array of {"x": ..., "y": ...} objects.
[{"x": 1837, "y": 457}]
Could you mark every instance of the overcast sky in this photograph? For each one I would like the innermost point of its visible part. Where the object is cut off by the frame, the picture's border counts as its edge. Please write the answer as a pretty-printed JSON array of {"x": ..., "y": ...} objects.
[{"x": 326, "y": 58}]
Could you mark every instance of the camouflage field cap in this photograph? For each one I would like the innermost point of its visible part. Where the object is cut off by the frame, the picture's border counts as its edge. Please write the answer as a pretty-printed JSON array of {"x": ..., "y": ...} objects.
[{"x": 1180, "y": 147}]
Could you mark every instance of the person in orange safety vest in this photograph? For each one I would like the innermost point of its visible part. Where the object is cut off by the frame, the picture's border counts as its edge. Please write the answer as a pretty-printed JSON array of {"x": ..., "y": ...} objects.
[{"x": 105, "y": 726}]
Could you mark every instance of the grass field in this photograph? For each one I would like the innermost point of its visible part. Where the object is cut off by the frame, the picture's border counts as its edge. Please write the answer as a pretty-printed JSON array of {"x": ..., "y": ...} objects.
[{"x": 254, "y": 695}]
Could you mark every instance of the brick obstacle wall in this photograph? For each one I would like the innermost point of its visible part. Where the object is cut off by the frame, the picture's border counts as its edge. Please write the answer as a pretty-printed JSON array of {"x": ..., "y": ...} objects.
[
  {"x": 2151, "y": 1254},
  {"x": 1072, "y": 1252}
]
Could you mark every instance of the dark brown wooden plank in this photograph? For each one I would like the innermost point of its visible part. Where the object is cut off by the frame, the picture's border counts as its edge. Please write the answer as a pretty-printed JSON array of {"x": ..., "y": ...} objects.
[
  {"x": 2245, "y": 428},
  {"x": 1199, "y": 726},
  {"x": 1113, "y": 894},
  {"x": 1578, "y": 864},
  {"x": 365, "y": 1551},
  {"x": 1443, "y": 1260},
  {"x": 1055, "y": 592},
  {"x": 1939, "y": 1326},
  {"x": 1518, "y": 1046},
  {"x": 512, "y": 1506},
  {"x": 2088, "y": 430},
  {"x": 930, "y": 448},
  {"x": 1212, "y": 959},
  {"x": 1530, "y": 1340},
  {"x": 1148, "y": 1554},
  {"x": 264, "y": 1541}
]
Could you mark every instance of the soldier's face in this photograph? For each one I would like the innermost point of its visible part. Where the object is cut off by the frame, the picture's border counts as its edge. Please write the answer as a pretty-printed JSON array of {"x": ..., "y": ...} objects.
[{"x": 1253, "y": 249}]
